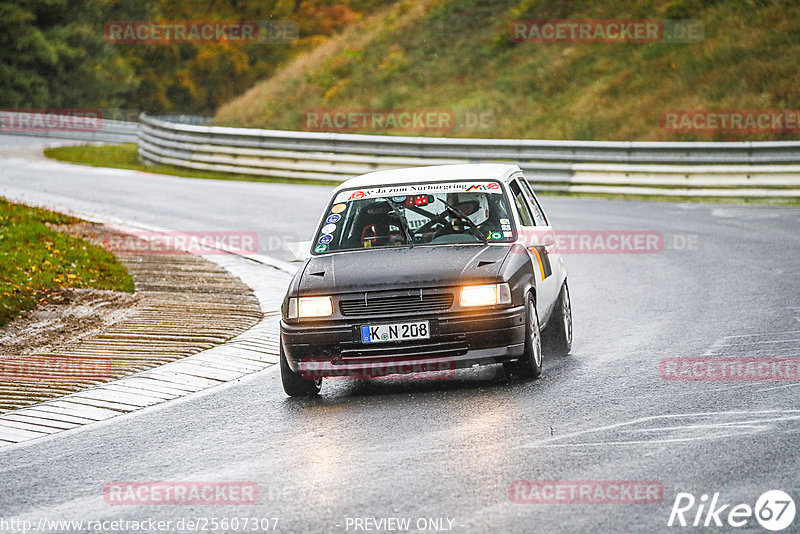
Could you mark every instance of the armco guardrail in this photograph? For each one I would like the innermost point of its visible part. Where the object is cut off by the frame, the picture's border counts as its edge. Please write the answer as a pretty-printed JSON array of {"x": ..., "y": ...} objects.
[
  {"x": 67, "y": 126},
  {"x": 695, "y": 169}
]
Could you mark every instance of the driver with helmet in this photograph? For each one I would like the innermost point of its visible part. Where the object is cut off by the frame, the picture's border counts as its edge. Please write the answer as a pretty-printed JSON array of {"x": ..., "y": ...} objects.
[{"x": 476, "y": 207}]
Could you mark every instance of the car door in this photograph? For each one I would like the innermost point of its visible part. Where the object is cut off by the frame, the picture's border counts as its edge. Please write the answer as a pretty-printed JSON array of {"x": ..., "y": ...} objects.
[
  {"x": 546, "y": 285},
  {"x": 541, "y": 220}
]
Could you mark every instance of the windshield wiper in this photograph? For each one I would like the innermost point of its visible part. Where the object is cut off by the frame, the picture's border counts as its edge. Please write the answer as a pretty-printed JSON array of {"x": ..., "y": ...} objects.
[
  {"x": 403, "y": 221},
  {"x": 466, "y": 220}
]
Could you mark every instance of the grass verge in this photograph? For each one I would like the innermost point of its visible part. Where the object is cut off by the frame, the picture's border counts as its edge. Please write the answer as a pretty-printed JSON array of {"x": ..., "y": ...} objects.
[
  {"x": 459, "y": 56},
  {"x": 126, "y": 156},
  {"x": 756, "y": 201},
  {"x": 36, "y": 260}
]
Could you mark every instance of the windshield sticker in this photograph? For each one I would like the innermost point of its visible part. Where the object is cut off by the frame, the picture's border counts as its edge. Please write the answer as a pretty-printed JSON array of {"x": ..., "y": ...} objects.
[
  {"x": 333, "y": 219},
  {"x": 508, "y": 234},
  {"x": 396, "y": 191},
  {"x": 338, "y": 208},
  {"x": 505, "y": 221},
  {"x": 506, "y": 227},
  {"x": 328, "y": 228},
  {"x": 324, "y": 239},
  {"x": 495, "y": 235},
  {"x": 320, "y": 248}
]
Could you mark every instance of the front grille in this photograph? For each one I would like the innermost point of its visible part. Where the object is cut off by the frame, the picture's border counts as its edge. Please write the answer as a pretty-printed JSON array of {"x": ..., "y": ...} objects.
[{"x": 384, "y": 305}]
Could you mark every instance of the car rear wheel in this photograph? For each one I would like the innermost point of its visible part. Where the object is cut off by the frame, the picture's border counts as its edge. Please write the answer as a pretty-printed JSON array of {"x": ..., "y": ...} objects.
[
  {"x": 530, "y": 365},
  {"x": 558, "y": 334},
  {"x": 295, "y": 385}
]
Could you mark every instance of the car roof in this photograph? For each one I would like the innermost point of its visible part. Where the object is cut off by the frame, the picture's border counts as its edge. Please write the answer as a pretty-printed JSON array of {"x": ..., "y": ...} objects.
[{"x": 434, "y": 173}]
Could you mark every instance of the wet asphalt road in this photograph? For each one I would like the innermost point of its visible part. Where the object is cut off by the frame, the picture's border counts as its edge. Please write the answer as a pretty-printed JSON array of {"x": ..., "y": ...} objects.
[{"x": 726, "y": 285}]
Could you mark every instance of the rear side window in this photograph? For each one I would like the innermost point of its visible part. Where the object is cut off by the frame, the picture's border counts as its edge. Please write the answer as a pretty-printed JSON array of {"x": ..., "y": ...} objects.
[
  {"x": 522, "y": 205},
  {"x": 538, "y": 213}
]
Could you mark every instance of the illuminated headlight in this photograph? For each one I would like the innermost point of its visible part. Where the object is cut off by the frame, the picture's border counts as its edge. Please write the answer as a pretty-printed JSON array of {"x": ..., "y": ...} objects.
[
  {"x": 305, "y": 307},
  {"x": 488, "y": 295}
]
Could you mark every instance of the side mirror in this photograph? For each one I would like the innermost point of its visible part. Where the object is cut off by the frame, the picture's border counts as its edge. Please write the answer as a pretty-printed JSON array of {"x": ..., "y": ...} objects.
[
  {"x": 539, "y": 236},
  {"x": 548, "y": 238},
  {"x": 298, "y": 251}
]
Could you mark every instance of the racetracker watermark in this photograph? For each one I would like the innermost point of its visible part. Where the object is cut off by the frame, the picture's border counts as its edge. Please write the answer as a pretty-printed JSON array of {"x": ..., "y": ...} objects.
[
  {"x": 606, "y": 31},
  {"x": 180, "y": 242},
  {"x": 405, "y": 120},
  {"x": 730, "y": 369},
  {"x": 54, "y": 368},
  {"x": 181, "y": 493},
  {"x": 47, "y": 120},
  {"x": 732, "y": 121},
  {"x": 439, "y": 369},
  {"x": 594, "y": 241},
  {"x": 351, "y": 120},
  {"x": 200, "y": 32},
  {"x": 586, "y": 492}
]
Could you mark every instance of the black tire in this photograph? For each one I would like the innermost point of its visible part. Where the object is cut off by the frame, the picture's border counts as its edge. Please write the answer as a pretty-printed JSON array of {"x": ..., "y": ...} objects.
[
  {"x": 530, "y": 365},
  {"x": 558, "y": 334},
  {"x": 295, "y": 385}
]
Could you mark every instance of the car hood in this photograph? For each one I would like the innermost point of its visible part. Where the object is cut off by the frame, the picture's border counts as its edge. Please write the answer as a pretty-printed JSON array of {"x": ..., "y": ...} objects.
[{"x": 403, "y": 267}]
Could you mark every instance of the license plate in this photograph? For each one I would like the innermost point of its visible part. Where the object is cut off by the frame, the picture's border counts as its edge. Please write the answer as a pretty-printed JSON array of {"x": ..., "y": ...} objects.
[{"x": 395, "y": 332}]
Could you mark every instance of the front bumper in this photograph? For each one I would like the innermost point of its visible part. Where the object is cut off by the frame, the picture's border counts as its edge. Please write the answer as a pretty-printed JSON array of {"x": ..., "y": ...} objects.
[{"x": 458, "y": 340}]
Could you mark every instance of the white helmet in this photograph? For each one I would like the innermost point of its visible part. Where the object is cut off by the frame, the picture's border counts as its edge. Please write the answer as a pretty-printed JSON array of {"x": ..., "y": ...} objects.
[{"x": 473, "y": 205}]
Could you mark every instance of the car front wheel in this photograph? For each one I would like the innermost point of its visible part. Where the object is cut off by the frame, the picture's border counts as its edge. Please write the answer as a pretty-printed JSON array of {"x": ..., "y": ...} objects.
[
  {"x": 530, "y": 365},
  {"x": 295, "y": 385},
  {"x": 558, "y": 334}
]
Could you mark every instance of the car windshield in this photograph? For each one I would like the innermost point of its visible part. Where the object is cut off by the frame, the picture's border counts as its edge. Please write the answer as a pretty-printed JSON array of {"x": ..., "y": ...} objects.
[{"x": 437, "y": 213}]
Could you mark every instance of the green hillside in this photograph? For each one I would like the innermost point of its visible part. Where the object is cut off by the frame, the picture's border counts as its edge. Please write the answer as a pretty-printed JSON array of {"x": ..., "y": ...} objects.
[{"x": 458, "y": 55}]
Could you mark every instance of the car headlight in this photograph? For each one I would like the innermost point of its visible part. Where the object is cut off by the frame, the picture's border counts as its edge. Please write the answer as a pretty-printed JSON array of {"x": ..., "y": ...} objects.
[
  {"x": 306, "y": 307},
  {"x": 485, "y": 295}
]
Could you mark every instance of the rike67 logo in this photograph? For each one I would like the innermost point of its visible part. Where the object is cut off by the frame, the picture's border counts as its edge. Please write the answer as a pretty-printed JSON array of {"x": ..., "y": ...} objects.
[{"x": 774, "y": 510}]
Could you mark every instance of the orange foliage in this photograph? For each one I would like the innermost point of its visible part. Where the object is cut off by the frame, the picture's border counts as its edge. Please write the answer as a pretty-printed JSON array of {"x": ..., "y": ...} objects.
[{"x": 320, "y": 17}]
